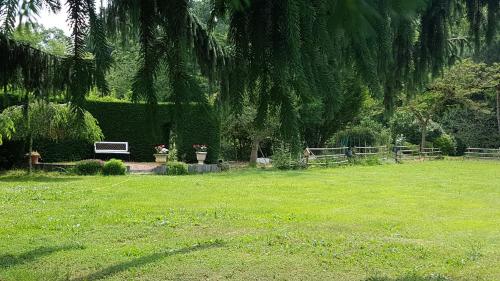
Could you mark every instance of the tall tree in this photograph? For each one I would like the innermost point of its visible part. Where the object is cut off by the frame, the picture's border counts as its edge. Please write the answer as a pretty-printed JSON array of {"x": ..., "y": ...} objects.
[{"x": 287, "y": 52}]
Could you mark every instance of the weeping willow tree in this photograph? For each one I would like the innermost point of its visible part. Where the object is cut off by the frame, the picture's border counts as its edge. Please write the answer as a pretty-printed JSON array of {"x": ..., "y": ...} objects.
[
  {"x": 283, "y": 54},
  {"x": 40, "y": 75}
]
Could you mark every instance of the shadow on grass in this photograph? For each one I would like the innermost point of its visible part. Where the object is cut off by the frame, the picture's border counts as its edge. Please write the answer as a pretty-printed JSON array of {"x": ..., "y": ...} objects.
[
  {"x": 117, "y": 268},
  {"x": 411, "y": 277},
  {"x": 11, "y": 260},
  {"x": 36, "y": 177}
]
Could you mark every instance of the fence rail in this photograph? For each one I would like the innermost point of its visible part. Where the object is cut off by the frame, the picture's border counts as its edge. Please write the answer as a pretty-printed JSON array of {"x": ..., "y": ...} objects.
[
  {"x": 482, "y": 153},
  {"x": 339, "y": 155},
  {"x": 366, "y": 151},
  {"x": 405, "y": 153},
  {"x": 431, "y": 153},
  {"x": 326, "y": 156}
]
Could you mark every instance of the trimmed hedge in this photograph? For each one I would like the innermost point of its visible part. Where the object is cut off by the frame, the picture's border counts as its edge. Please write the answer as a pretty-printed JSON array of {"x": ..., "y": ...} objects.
[
  {"x": 63, "y": 151},
  {"x": 177, "y": 169},
  {"x": 142, "y": 129},
  {"x": 89, "y": 167}
]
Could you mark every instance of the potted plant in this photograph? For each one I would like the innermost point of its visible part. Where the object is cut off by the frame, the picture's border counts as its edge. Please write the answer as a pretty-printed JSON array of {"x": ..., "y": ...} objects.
[
  {"x": 201, "y": 152},
  {"x": 161, "y": 155},
  {"x": 35, "y": 157}
]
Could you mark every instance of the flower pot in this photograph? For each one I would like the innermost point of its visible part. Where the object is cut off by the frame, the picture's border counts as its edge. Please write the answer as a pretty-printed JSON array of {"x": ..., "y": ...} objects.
[
  {"x": 201, "y": 156},
  {"x": 161, "y": 158},
  {"x": 35, "y": 158}
]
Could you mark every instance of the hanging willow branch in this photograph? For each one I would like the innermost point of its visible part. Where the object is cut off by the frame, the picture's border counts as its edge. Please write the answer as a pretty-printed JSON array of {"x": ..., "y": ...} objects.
[
  {"x": 281, "y": 54},
  {"x": 30, "y": 68}
]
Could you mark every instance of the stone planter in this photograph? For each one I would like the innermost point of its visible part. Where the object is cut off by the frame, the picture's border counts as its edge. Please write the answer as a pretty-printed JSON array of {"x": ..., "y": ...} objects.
[
  {"x": 201, "y": 156},
  {"x": 35, "y": 157},
  {"x": 161, "y": 157}
]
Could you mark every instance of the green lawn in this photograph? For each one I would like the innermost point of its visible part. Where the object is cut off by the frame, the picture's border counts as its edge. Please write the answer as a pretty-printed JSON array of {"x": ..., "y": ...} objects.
[{"x": 416, "y": 221}]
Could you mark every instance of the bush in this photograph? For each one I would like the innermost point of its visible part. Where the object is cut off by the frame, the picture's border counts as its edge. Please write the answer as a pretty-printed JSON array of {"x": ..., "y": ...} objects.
[
  {"x": 367, "y": 133},
  {"x": 177, "y": 168},
  {"x": 371, "y": 161},
  {"x": 89, "y": 167},
  {"x": 471, "y": 128},
  {"x": 223, "y": 165},
  {"x": 172, "y": 155},
  {"x": 282, "y": 159},
  {"x": 446, "y": 144},
  {"x": 114, "y": 167}
]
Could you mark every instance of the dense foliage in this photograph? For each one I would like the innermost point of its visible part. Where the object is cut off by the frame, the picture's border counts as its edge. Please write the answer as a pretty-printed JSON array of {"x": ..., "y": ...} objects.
[
  {"x": 367, "y": 133},
  {"x": 114, "y": 167},
  {"x": 143, "y": 130},
  {"x": 89, "y": 167},
  {"x": 175, "y": 168},
  {"x": 6, "y": 128},
  {"x": 52, "y": 121},
  {"x": 195, "y": 124},
  {"x": 307, "y": 64}
]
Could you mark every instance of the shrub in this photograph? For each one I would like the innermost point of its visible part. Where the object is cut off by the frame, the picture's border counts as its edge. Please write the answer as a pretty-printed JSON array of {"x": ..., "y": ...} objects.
[
  {"x": 446, "y": 144},
  {"x": 223, "y": 165},
  {"x": 177, "y": 168},
  {"x": 471, "y": 128},
  {"x": 114, "y": 167},
  {"x": 371, "y": 161},
  {"x": 282, "y": 159},
  {"x": 89, "y": 167},
  {"x": 172, "y": 155},
  {"x": 367, "y": 133}
]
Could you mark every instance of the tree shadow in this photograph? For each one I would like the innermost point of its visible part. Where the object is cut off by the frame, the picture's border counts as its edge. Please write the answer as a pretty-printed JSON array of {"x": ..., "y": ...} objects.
[
  {"x": 37, "y": 178},
  {"x": 117, "y": 268},
  {"x": 11, "y": 260},
  {"x": 411, "y": 277}
]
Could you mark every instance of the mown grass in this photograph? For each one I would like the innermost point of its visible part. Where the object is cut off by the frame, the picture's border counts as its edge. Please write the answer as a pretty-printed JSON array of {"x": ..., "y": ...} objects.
[{"x": 418, "y": 221}]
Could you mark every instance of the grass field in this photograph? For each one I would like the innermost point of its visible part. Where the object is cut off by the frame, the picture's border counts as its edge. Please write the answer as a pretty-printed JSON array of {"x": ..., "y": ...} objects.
[{"x": 416, "y": 221}]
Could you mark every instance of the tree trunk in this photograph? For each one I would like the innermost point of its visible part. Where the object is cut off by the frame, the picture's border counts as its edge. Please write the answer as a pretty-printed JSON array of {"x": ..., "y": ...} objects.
[
  {"x": 30, "y": 137},
  {"x": 424, "y": 133},
  {"x": 254, "y": 152},
  {"x": 498, "y": 108},
  {"x": 30, "y": 149}
]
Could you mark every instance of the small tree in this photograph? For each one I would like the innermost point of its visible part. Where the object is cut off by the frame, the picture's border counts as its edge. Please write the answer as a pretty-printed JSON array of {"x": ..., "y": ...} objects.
[
  {"x": 244, "y": 124},
  {"x": 457, "y": 87},
  {"x": 423, "y": 108},
  {"x": 50, "y": 121}
]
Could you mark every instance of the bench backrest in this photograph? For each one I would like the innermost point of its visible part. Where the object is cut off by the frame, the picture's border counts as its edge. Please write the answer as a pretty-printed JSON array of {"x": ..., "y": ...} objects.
[{"x": 109, "y": 146}]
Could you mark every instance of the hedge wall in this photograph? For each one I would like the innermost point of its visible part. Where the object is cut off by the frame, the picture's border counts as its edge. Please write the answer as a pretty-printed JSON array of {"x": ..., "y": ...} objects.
[
  {"x": 132, "y": 122},
  {"x": 142, "y": 129}
]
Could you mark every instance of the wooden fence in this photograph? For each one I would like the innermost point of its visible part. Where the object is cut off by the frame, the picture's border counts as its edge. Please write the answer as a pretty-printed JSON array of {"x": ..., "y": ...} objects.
[
  {"x": 431, "y": 153},
  {"x": 370, "y": 151},
  {"x": 404, "y": 153},
  {"x": 326, "y": 156},
  {"x": 338, "y": 155},
  {"x": 482, "y": 153}
]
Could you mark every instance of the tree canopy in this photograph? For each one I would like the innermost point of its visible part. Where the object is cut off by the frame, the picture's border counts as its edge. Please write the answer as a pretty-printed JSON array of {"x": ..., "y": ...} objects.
[
  {"x": 50, "y": 121},
  {"x": 286, "y": 55}
]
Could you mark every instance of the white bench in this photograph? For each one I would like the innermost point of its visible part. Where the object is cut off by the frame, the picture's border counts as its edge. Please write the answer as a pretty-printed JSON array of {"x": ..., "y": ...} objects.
[{"x": 110, "y": 147}]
